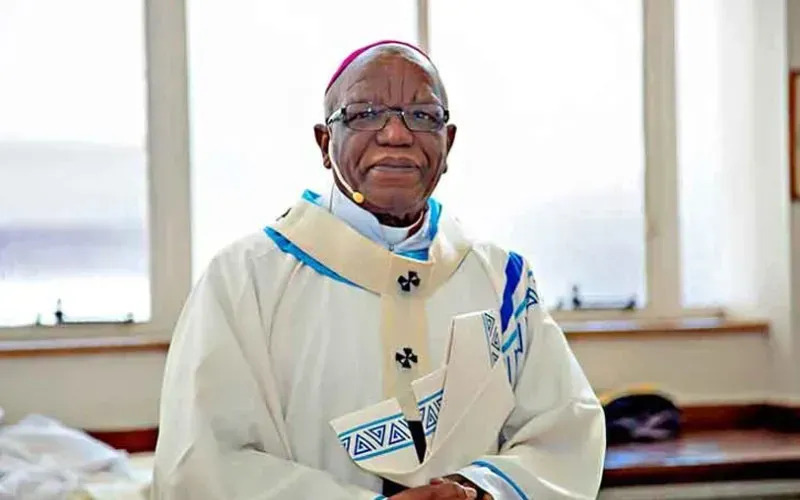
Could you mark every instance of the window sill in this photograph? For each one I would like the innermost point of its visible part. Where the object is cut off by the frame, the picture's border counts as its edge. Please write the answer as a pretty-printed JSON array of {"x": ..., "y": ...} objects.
[
  {"x": 639, "y": 329},
  {"x": 661, "y": 328},
  {"x": 81, "y": 346}
]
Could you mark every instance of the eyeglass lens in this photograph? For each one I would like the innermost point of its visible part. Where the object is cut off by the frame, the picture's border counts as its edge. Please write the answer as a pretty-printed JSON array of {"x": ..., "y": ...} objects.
[{"x": 418, "y": 117}]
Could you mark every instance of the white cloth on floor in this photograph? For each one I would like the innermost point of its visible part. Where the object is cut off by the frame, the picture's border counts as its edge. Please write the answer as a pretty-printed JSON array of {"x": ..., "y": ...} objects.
[{"x": 41, "y": 459}]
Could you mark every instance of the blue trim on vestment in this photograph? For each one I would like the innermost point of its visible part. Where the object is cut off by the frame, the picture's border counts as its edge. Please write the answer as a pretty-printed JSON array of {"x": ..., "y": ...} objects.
[
  {"x": 502, "y": 475},
  {"x": 283, "y": 243},
  {"x": 288, "y": 247},
  {"x": 432, "y": 396},
  {"x": 311, "y": 196},
  {"x": 435, "y": 209},
  {"x": 513, "y": 274},
  {"x": 370, "y": 424}
]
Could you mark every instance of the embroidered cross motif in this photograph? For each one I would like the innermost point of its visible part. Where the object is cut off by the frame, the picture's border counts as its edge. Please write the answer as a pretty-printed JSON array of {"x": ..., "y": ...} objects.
[
  {"x": 406, "y": 357},
  {"x": 406, "y": 282}
]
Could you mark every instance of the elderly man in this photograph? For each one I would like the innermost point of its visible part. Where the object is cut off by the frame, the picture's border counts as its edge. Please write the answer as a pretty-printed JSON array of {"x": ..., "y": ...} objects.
[{"x": 362, "y": 346}]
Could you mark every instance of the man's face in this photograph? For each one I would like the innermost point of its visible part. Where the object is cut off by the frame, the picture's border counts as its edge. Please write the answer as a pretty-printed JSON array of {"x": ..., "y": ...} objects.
[{"x": 395, "y": 168}]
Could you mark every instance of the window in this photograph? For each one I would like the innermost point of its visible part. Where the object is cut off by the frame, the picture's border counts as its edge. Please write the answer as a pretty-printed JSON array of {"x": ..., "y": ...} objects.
[
  {"x": 548, "y": 99},
  {"x": 73, "y": 186},
  {"x": 699, "y": 151},
  {"x": 257, "y": 86},
  {"x": 564, "y": 113}
]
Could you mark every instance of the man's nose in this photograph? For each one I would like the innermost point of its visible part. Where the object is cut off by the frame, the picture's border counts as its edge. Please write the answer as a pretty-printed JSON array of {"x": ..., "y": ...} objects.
[{"x": 395, "y": 133}]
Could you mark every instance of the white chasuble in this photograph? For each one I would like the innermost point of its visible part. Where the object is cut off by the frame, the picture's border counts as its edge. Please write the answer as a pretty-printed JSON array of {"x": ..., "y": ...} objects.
[{"x": 304, "y": 351}]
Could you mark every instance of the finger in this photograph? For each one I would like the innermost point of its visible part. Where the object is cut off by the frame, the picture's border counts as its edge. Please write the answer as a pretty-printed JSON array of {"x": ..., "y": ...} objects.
[
  {"x": 437, "y": 480},
  {"x": 470, "y": 492},
  {"x": 450, "y": 489},
  {"x": 446, "y": 490}
]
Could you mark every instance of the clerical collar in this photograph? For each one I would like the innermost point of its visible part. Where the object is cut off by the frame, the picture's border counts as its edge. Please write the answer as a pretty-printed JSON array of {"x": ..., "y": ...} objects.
[{"x": 395, "y": 239}]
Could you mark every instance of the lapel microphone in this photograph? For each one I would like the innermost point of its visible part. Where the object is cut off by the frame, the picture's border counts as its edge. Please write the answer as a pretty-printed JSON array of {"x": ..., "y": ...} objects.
[{"x": 355, "y": 195}]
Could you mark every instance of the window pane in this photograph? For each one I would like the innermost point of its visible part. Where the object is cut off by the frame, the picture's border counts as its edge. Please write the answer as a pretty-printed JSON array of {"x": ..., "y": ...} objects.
[
  {"x": 549, "y": 156},
  {"x": 258, "y": 75},
  {"x": 72, "y": 161},
  {"x": 700, "y": 129}
]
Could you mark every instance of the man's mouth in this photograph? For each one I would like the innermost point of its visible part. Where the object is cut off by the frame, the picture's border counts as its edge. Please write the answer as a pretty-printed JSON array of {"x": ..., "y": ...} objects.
[
  {"x": 394, "y": 168},
  {"x": 397, "y": 165}
]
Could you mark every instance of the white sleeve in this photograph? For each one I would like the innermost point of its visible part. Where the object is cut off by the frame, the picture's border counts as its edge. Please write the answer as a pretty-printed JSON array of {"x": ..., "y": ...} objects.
[
  {"x": 554, "y": 444},
  {"x": 218, "y": 437}
]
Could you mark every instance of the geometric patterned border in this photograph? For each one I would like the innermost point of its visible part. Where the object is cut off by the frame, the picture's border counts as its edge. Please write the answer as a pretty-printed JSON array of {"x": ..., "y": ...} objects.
[
  {"x": 377, "y": 438},
  {"x": 429, "y": 411},
  {"x": 493, "y": 336}
]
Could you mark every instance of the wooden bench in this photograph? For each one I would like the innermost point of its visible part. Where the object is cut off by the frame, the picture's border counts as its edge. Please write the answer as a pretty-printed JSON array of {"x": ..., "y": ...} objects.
[
  {"x": 705, "y": 456},
  {"x": 719, "y": 443}
]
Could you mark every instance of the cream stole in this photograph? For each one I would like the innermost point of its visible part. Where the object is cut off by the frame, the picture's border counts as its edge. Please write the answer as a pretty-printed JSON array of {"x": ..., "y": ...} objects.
[{"x": 402, "y": 283}]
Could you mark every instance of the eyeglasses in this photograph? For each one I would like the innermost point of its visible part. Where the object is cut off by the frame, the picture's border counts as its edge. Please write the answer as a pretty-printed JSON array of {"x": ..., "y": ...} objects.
[{"x": 366, "y": 116}]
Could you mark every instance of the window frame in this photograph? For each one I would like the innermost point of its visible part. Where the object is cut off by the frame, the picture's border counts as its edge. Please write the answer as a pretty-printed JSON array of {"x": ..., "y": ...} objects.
[
  {"x": 169, "y": 178},
  {"x": 168, "y": 184}
]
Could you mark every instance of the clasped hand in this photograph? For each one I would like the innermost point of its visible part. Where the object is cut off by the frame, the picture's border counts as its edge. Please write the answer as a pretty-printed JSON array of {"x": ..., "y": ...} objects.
[{"x": 442, "y": 489}]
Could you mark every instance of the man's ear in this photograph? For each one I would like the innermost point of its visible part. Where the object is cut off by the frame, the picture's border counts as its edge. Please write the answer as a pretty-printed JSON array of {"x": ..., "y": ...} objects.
[
  {"x": 323, "y": 138},
  {"x": 451, "y": 138}
]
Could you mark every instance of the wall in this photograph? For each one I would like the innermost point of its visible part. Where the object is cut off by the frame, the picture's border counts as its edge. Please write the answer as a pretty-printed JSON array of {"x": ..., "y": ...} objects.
[
  {"x": 702, "y": 370},
  {"x": 121, "y": 391},
  {"x": 756, "y": 252},
  {"x": 731, "y": 76},
  {"x": 114, "y": 391},
  {"x": 793, "y": 35}
]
